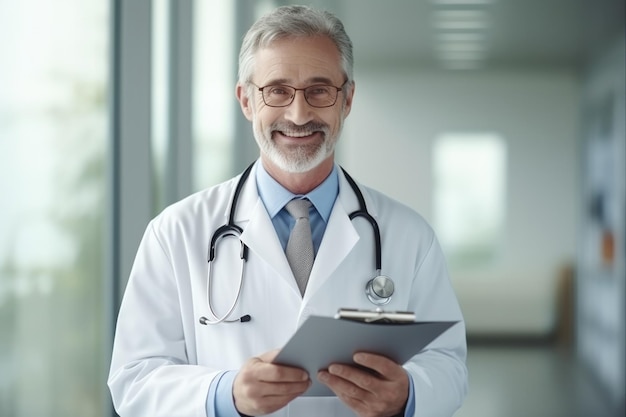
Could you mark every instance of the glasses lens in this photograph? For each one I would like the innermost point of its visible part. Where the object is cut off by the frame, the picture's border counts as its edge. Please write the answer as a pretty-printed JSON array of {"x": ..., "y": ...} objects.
[
  {"x": 321, "y": 95},
  {"x": 278, "y": 95}
]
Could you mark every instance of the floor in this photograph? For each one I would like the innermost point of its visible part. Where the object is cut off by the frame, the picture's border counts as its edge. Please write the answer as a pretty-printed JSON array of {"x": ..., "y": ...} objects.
[{"x": 537, "y": 380}]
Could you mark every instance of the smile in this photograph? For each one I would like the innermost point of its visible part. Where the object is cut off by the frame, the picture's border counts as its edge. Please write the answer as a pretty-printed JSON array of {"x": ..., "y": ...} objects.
[{"x": 298, "y": 135}]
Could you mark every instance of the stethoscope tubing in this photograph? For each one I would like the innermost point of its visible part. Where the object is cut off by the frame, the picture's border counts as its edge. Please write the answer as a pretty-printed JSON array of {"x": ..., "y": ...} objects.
[
  {"x": 216, "y": 318},
  {"x": 229, "y": 229},
  {"x": 362, "y": 212}
]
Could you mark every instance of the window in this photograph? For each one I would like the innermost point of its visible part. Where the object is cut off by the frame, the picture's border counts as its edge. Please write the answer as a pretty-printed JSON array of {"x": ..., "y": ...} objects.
[
  {"x": 214, "y": 103},
  {"x": 469, "y": 195},
  {"x": 53, "y": 136}
]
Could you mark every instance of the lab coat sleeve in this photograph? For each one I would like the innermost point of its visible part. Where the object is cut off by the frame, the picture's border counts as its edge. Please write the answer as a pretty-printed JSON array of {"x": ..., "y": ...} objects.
[
  {"x": 439, "y": 372},
  {"x": 151, "y": 374}
]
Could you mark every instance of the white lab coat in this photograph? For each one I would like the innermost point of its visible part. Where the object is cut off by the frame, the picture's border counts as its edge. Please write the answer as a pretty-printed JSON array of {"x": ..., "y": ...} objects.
[{"x": 164, "y": 361}]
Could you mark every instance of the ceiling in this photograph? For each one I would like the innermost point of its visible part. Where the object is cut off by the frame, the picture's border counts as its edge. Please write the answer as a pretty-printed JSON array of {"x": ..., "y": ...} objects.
[{"x": 511, "y": 33}]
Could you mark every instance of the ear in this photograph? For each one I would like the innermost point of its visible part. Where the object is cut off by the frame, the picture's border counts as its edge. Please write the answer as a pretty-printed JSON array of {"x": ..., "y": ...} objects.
[
  {"x": 244, "y": 101},
  {"x": 349, "y": 96}
]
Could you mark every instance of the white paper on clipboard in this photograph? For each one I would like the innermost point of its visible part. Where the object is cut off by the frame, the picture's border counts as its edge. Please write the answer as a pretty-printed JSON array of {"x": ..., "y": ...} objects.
[{"x": 321, "y": 341}]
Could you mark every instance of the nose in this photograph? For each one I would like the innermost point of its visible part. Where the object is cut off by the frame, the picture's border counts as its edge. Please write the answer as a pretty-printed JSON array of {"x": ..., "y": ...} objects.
[{"x": 299, "y": 111}]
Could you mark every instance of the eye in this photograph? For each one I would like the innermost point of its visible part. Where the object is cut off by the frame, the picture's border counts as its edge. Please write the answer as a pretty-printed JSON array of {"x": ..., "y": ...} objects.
[
  {"x": 318, "y": 90},
  {"x": 278, "y": 90}
]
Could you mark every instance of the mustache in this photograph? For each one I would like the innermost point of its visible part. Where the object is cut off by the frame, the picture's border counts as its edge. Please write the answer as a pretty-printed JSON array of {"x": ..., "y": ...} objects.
[{"x": 307, "y": 127}]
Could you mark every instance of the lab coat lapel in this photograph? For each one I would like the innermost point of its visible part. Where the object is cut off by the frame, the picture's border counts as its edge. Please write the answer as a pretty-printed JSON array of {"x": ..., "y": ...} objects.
[
  {"x": 259, "y": 233},
  {"x": 339, "y": 239}
]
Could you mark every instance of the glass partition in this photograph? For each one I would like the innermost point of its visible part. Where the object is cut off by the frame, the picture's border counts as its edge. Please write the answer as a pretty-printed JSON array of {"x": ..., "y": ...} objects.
[
  {"x": 214, "y": 80},
  {"x": 53, "y": 142}
]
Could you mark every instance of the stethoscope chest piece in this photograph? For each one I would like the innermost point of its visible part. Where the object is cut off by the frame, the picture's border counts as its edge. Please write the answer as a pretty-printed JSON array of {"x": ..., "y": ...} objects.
[{"x": 379, "y": 290}]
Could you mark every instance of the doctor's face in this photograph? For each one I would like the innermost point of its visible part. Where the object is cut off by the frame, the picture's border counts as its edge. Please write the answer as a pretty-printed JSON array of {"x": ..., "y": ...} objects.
[{"x": 298, "y": 136}]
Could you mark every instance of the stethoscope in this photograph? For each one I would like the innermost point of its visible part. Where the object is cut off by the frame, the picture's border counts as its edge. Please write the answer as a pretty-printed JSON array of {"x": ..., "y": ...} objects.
[{"x": 378, "y": 289}]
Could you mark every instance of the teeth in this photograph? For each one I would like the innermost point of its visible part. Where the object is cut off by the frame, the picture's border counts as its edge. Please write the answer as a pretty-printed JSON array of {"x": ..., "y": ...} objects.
[{"x": 297, "y": 134}]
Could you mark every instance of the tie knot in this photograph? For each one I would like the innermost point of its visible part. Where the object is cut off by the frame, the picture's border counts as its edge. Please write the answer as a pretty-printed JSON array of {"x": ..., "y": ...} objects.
[{"x": 298, "y": 208}]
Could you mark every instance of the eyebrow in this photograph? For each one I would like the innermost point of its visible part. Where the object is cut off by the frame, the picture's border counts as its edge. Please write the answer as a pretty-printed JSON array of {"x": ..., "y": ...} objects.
[{"x": 309, "y": 81}]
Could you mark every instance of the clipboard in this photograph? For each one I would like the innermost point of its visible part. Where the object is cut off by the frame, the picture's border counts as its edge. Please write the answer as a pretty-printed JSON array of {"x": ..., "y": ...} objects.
[{"x": 321, "y": 341}]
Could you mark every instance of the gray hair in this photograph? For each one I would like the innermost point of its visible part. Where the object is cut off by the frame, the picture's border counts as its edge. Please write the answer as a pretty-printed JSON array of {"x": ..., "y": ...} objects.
[{"x": 294, "y": 21}]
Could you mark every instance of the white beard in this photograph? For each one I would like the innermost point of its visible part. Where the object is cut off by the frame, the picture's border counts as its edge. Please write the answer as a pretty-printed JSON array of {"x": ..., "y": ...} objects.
[{"x": 298, "y": 159}]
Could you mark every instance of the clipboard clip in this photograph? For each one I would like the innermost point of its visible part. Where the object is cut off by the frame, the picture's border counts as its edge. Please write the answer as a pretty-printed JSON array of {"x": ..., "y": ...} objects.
[{"x": 375, "y": 316}]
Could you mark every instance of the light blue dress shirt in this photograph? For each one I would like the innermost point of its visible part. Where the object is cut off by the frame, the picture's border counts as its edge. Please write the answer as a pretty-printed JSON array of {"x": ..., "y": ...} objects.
[{"x": 274, "y": 197}]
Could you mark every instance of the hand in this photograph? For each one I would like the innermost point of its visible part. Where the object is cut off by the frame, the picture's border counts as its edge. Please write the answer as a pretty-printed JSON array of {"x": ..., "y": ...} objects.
[
  {"x": 262, "y": 387},
  {"x": 382, "y": 393}
]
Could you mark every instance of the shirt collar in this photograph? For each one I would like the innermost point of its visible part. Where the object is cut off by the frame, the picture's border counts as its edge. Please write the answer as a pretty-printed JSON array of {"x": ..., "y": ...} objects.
[{"x": 275, "y": 196}]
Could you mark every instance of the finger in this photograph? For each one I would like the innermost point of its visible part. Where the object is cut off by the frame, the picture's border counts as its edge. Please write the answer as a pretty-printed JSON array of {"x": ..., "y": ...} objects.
[
  {"x": 364, "y": 393},
  {"x": 265, "y": 390},
  {"x": 267, "y": 371},
  {"x": 384, "y": 366},
  {"x": 345, "y": 380},
  {"x": 351, "y": 395},
  {"x": 365, "y": 379},
  {"x": 253, "y": 396},
  {"x": 281, "y": 373},
  {"x": 263, "y": 404},
  {"x": 282, "y": 389}
]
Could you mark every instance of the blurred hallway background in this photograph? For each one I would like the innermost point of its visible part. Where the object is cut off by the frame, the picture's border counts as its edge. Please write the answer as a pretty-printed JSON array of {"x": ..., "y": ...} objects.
[
  {"x": 520, "y": 380},
  {"x": 501, "y": 121}
]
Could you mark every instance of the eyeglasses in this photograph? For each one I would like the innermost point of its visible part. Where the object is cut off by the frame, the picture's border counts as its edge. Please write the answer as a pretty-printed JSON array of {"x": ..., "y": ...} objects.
[{"x": 319, "y": 95}]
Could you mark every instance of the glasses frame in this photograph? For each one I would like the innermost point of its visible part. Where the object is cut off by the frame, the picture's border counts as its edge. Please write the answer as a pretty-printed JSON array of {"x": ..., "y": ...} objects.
[{"x": 293, "y": 97}]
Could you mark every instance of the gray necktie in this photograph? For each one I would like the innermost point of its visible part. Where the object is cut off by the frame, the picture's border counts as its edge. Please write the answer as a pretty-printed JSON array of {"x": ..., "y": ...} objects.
[{"x": 300, "y": 245}]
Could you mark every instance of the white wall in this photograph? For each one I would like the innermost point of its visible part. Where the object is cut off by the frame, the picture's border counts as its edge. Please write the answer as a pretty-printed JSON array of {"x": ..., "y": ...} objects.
[{"x": 387, "y": 144}]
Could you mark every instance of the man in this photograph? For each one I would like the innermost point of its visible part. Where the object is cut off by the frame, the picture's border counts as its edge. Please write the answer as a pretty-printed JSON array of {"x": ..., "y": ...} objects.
[{"x": 296, "y": 87}]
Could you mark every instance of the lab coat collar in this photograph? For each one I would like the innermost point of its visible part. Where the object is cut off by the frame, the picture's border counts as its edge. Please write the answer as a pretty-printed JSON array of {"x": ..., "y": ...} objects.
[{"x": 250, "y": 195}]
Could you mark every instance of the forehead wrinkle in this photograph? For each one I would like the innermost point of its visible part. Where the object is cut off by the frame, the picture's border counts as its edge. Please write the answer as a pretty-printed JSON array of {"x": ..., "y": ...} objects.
[
  {"x": 299, "y": 62},
  {"x": 297, "y": 73}
]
